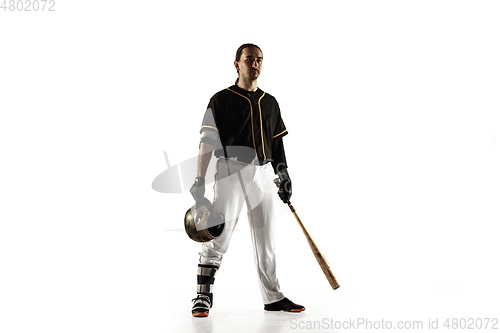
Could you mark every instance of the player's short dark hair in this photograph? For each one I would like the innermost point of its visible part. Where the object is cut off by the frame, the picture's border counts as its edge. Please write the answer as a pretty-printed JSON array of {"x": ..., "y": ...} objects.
[{"x": 239, "y": 51}]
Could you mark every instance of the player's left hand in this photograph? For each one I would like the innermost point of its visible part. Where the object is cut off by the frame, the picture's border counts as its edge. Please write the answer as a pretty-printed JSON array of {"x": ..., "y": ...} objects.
[{"x": 285, "y": 187}]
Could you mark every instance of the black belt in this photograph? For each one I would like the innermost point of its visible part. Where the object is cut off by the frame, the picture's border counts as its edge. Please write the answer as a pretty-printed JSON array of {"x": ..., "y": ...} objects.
[
  {"x": 239, "y": 159},
  {"x": 245, "y": 156}
]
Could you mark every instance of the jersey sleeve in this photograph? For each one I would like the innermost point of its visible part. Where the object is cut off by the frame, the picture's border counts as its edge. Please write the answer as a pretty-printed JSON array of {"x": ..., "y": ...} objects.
[
  {"x": 209, "y": 132},
  {"x": 278, "y": 149},
  {"x": 280, "y": 129},
  {"x": 208, "y": 123}
]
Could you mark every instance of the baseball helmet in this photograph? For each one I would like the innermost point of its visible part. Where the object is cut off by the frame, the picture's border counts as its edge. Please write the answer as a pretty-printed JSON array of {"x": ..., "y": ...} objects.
[{"x": 202, "y": 224}]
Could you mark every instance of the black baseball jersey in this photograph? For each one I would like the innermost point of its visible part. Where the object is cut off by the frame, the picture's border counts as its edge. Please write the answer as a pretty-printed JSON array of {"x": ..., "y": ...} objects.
[{"x": 246, "y": 119}]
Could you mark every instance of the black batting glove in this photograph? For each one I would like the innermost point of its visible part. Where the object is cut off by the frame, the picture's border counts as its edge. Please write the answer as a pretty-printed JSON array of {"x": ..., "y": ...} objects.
[
  {"x": 285, "y": 187},
  {"x": 198, "y": 188}
]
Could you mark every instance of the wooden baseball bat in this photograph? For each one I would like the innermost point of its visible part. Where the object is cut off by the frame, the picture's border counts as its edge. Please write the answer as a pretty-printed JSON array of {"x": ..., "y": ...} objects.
[{"x": 320, "y": 258}]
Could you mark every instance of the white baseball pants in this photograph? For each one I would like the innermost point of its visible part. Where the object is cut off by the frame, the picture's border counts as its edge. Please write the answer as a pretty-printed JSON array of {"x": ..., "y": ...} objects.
[{"x": 237, "y": 183}]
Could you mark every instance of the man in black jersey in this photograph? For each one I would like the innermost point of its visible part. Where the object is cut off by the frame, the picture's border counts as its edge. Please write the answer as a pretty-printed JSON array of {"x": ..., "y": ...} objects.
[{"x": 243, "y": 128}]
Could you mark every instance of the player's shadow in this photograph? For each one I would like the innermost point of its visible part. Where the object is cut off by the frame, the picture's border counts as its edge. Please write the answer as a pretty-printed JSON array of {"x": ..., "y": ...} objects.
[
  {"x": 202, "y": 325},
  {"x": 247, "y": 321}
]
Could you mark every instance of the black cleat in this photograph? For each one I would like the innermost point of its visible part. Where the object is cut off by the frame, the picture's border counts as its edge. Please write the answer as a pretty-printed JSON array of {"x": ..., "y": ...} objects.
[
  {"x": 201, "y": 306},
  {"x": 284, "y": 305}
]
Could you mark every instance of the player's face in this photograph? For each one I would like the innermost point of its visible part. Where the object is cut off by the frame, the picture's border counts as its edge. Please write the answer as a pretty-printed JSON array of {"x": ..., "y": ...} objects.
[{"x": 250, "y": 64}]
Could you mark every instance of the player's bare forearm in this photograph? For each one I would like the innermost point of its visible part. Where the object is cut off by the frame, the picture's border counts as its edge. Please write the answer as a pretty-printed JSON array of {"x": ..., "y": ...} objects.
[{"x": 204, "y": 157}]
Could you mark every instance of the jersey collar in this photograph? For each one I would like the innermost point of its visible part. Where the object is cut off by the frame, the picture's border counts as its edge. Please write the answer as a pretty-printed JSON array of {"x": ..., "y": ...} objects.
[{"x": 251, "y": 95}]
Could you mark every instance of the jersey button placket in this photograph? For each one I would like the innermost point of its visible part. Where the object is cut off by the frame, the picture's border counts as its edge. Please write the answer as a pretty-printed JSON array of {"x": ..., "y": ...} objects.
[{"x": 257, "y": 128}]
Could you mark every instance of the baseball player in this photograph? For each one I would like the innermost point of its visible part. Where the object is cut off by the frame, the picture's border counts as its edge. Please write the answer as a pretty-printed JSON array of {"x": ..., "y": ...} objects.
[{"x": 243, "y": 128}]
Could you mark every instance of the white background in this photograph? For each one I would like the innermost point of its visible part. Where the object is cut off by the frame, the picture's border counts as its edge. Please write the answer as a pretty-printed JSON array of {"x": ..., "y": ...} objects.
[{"x": 392, "y": 109}]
